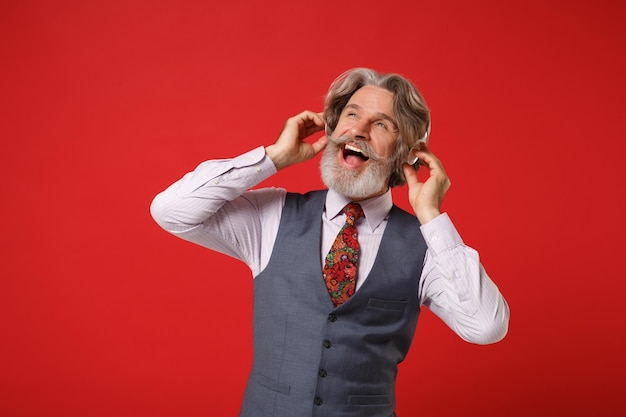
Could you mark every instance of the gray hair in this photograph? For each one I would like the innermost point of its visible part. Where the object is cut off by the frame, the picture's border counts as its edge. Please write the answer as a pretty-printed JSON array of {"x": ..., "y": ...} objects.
[{"x": 409, "y": 107}]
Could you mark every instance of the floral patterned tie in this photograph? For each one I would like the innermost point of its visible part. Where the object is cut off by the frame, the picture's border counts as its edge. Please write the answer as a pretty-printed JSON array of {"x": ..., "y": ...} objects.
[{"x": 340, "y": 265}]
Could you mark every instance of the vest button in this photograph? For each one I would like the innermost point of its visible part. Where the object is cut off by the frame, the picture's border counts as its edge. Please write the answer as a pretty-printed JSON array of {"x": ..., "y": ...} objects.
[
  {"x": 327, "y": 344},
  {"x": 332, "y": 317},
  {"x": 318, "y": 401},
  {"x": 322, "y": 373}
]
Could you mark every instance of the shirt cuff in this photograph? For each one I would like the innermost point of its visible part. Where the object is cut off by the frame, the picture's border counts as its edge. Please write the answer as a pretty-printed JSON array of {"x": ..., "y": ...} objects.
[
  {"x": 440, "y": 234},
  {"x": 249, "y": 158},
  {"x": 250, "y": 168}
]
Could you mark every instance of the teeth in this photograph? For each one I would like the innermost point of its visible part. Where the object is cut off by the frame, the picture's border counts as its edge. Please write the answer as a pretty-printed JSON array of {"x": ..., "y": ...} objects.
[{"x": 353, "y": 148}]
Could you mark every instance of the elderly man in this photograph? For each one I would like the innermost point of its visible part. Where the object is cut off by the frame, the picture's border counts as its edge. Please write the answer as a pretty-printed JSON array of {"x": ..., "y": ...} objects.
[{"x": 340, "y": 274}]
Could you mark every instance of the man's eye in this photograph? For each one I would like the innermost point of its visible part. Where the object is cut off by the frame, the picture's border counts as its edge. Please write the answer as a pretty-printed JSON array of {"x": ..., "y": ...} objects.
[{"x": 381, "y": 125}]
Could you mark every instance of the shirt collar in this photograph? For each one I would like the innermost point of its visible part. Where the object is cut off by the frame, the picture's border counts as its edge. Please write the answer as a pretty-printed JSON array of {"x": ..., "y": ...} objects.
[{"x": 376, "y": 209}]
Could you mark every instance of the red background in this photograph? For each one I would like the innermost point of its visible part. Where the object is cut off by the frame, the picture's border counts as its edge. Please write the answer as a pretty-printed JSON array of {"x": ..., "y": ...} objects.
[{"x": 104, "y": 103}]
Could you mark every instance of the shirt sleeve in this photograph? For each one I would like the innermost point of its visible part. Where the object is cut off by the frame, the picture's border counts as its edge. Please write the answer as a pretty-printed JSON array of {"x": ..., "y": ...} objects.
[
  {"x": 455, "y": 286},
  {"x": 214, "y": 207}
]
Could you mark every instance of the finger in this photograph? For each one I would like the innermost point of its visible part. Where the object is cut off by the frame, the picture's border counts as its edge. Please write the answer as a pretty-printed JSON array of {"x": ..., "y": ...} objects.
[
  {"x": 412, "y": 158},
  {"x": 319, "y": 117},
  {"x": 309, "y": 130},
  {"x": 310, "y": 116},
  {"x": 422, "y": 151},
  {"x": 306, "y": 118},
  {"x": 410, "y": 174},
  {"x": 319, "y": 144},
  {"x": 310, "y": 122},
  {"x": 429, "y": 159}
]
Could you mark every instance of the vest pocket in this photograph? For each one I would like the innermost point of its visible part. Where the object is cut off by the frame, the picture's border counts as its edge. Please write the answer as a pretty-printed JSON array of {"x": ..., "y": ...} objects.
[
  {"x": 368, "y": 400},
  {"x": 383, "y": 313},
  {"x": 387, "y": 304}
]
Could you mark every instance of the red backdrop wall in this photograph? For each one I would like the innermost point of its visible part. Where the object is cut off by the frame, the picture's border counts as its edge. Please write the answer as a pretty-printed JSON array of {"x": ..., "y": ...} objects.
[{"x": 104, "y": 103}]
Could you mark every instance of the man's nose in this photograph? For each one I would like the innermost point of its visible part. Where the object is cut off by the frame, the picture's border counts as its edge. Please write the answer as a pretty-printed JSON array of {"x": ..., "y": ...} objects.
[{"x": 360, "y": 130}]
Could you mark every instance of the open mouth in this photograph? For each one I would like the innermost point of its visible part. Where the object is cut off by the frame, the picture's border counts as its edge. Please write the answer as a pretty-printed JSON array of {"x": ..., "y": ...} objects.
[{"x": 354, "y": 155}]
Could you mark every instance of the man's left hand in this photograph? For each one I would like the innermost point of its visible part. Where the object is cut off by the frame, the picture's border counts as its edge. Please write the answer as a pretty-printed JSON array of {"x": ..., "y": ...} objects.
[{"x": 426, "y": 197}]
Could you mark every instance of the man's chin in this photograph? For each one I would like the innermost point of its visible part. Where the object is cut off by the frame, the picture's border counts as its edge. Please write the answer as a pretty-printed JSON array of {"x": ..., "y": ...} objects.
[
  {"x": 351, "y": 180},
  {"x": 351, "y": 185}
]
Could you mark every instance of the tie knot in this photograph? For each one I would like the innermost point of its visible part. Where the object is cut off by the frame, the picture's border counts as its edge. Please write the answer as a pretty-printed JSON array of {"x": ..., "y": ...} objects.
[{"x": 353, "y": 212}]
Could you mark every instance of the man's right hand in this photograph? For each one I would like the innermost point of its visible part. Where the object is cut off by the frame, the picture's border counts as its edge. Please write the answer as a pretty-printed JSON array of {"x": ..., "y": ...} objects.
[{"x": 290, "y": 148}]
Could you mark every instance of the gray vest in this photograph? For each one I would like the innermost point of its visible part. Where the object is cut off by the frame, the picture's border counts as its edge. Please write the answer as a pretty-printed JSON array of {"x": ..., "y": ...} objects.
[{"x": 314, "y": 359}]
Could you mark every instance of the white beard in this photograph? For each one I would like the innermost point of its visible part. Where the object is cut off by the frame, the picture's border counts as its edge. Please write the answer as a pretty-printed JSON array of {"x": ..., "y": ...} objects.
[{"x": 358, "y": 184}]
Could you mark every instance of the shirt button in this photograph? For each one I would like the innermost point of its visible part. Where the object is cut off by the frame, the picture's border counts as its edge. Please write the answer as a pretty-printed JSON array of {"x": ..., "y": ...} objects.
[
  {"x": 318, "y": 401},
  {"x": 322, "y": 373},
  {"x": 332, "y": 317},
  {"x": 327, "y": 344}
]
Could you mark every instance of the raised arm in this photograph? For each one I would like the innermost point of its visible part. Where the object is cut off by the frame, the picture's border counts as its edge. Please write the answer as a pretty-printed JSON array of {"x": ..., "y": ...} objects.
[
  {"x": 454, "y": 284},
  {"x": 213, "y": 206}
]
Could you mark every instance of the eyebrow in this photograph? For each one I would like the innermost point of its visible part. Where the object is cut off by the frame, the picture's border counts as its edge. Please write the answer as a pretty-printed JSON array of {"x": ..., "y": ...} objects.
[{"x": 380, "y": 115}]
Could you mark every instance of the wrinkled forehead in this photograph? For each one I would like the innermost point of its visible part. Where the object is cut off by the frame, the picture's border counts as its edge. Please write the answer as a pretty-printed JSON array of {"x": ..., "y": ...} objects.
[{"x": 374, "y": 100}]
